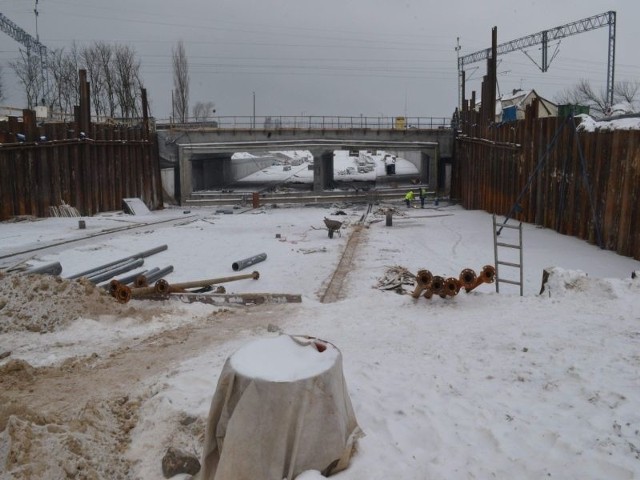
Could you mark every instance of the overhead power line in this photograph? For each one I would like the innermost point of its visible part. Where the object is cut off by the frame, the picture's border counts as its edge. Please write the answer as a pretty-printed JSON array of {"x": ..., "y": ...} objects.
[
  {"x": 29, "y": 42},
  {"x": 557, "y": 33}
]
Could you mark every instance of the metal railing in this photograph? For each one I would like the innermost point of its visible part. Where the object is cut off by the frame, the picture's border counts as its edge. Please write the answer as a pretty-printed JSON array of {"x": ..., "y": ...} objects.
[{"x": 311, "y": 122}]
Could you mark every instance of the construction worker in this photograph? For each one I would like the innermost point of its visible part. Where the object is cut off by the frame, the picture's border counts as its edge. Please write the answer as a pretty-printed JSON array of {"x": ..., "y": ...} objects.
[
  {"x": 408, "y": 198},
  {"x": 423, "y": 195}
]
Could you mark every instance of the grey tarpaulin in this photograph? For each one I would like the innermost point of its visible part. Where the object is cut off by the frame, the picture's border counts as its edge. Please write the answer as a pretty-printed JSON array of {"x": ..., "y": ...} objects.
[{"x": 269, "y": 430}]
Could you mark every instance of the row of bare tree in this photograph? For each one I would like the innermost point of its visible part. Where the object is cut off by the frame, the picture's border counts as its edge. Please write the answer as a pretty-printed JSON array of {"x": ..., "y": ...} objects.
[{"x": 113, "y": 71}]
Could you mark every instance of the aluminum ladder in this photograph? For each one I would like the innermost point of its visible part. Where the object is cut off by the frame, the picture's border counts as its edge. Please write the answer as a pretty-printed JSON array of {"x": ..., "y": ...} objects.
[{"x": 505, "y": 243}]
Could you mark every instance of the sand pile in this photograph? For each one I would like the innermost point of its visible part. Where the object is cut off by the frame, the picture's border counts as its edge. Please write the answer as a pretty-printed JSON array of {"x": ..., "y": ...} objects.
[
  {"x": 91, "y": 446},
  {"x": 44, "y": 303}
]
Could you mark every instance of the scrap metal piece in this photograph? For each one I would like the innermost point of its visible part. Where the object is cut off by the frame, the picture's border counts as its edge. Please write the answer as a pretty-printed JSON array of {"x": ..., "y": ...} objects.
[
  {"x": 467, "y": 278},
  {"x": 451, "y": 287},
  {"x": 436, "y": 287},
  {"x": 423, "y": 280}
]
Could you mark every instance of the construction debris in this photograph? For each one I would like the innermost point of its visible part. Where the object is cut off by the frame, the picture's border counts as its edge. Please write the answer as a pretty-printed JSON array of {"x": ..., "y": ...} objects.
[
  {"x": 428, "y": 285},
  {"x": 63, "y": 210},
  {"x": 395, "y": 277}
]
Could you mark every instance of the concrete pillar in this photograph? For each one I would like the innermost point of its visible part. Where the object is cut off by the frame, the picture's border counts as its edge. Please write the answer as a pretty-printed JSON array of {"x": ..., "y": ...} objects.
[
  {"x": 322, "y": 170},
  {"x": 184, "y": 160},
  {"x": 429, "y": 167}
]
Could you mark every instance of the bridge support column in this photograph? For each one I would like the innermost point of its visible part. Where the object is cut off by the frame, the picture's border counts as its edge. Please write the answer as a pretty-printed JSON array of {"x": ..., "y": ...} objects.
[
  {"x": 429, "y": 168},
  {"x": 186, "y": 187},
  {"x": 322, "y": 170}
]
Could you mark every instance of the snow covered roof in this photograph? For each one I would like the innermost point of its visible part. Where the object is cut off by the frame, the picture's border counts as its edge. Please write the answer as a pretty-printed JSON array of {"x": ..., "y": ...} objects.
[{"x": 623, "y": 122}]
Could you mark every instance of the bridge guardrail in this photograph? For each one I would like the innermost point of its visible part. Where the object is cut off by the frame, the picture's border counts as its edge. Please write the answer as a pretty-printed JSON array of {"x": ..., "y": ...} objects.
[{"x": 311, "y": 122}]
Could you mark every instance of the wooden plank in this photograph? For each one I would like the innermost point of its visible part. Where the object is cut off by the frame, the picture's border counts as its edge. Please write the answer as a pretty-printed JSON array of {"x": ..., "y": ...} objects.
[
  {"x": 623, "y": 219},
  {"x": 612, "y": 193},
  {"x": 6, "y": 185},
  {"x": 633, "y": 212}
]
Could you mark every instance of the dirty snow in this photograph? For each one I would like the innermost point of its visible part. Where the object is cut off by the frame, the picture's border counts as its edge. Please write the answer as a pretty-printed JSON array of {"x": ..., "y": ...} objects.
[{"x": 481, "y": 385}]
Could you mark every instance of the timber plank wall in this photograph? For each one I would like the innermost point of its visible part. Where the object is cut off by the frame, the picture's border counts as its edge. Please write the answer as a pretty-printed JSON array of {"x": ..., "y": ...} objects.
[
  {"x": 595, "y": 199},
  {"x": 92, "y": 174}
]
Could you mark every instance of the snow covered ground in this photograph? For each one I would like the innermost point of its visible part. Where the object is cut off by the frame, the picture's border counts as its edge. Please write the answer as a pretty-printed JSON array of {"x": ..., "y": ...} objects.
[
  {"x": 481, "y": 385},
  {"x": 366, "y": 167}
]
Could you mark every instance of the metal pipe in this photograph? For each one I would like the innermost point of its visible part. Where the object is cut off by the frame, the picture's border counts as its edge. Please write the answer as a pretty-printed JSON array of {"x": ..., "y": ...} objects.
[
  {"x": 143, "y": 254},
  {"x": 113, "y": 284},
  {"x": 488, "y": 274},
  {"x": 451, "y": 287},
  {"x": 142, "y": 279},
  {"x": 240, "y": 264},
  {"x": 155, "y": 276},
  {"x": 130, "y": 278},
  {"x": 435, "y": 288},
  {"x": 163, "y": 287},
  {"x": 49, "y": 269},
  {"x": 467, "y": 278},
  {"x": 126, "y": 267},
  {"x": 423, "y": 279}
]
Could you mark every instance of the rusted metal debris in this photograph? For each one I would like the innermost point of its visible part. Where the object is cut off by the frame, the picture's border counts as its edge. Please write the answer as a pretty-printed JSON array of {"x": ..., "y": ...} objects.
[
  {"x": 162, "y": 288},
  {"x": 429, "y": 285}
]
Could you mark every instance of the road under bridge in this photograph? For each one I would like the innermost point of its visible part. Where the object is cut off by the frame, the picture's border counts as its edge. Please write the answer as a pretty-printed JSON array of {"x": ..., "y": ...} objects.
[{"x": 201, "y": 157}]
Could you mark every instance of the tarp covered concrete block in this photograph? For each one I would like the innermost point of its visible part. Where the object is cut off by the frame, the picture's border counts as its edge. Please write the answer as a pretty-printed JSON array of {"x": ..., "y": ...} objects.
[{"x": 281, "y": 407}]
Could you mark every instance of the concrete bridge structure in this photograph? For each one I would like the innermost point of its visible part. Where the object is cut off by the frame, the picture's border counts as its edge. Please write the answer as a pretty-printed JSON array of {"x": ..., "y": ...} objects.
[{"x": 200, "y": 155}]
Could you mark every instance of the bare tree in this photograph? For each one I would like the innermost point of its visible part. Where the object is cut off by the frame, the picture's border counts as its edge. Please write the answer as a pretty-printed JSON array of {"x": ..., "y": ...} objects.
[
  {"x": 63, "y": 71},
  {"x": 203, "y": 110},
  {"x": 627, "y": 91},
  {"x": 105, "y": 58},
  {"x": 28, "y": 69},
  {"x": 128, "y": 82},
  {"x": 91, "y": 61},
  {"x": 583, "y": 94},
  {"x": 180, "y": 83}
]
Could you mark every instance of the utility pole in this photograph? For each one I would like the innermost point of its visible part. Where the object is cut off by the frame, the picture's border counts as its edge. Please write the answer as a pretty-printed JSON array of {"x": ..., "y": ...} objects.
[
  {"x": 29, "y": 42},
  {"x": 555, "y": 34},
  {"x": 253, "y": 121},
  {"x": 457, "y": 49}
]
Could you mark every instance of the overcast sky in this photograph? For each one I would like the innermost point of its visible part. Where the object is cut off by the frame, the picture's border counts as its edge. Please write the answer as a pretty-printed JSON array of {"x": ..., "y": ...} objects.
[{"x": 331, "y": 57}]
